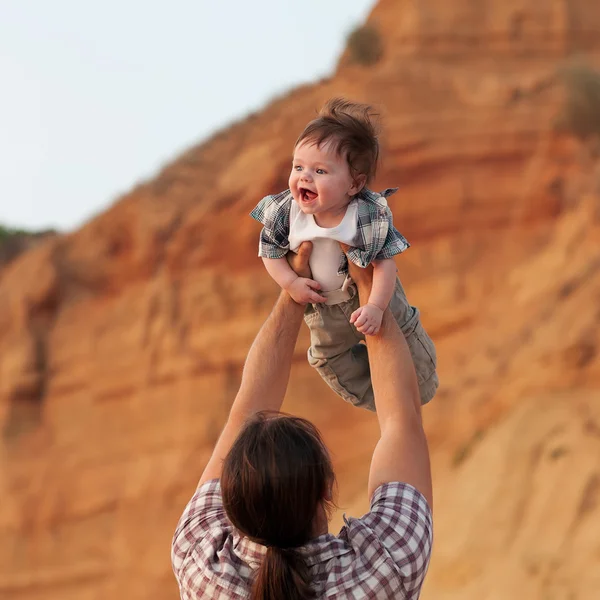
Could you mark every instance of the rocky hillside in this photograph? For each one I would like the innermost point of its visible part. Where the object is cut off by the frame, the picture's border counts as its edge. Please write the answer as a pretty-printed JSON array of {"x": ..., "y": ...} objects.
[{"x": 121, "y": 344}]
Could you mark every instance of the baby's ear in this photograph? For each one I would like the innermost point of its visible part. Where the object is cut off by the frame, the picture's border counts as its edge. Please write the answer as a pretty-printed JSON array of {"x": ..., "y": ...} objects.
[{"x": 358, "y": 184}]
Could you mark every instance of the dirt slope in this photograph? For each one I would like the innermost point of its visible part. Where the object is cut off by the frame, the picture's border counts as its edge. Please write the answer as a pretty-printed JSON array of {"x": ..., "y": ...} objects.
[{"x": 121, "y": 344}]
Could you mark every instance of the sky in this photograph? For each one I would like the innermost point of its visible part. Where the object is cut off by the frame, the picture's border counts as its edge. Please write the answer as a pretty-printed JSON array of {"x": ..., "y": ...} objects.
[{"x": 96, "y": 97}]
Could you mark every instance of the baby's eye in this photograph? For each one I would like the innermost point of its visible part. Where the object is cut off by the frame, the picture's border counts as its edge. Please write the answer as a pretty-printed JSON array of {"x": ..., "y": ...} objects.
[
  {"x": 297, "y": 168},
  {"x": 321, "y": 172}
]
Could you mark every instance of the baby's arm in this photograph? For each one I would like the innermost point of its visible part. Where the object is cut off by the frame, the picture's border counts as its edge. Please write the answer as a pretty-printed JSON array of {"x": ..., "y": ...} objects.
[
  {"x": 384, "y": 282},
  {"x": 367, "y": 318},
  {"x": 301, "y": 289}
]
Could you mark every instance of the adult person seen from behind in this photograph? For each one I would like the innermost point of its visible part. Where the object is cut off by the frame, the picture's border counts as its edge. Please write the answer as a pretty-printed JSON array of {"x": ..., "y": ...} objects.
[{"x": 257, "y": 525}]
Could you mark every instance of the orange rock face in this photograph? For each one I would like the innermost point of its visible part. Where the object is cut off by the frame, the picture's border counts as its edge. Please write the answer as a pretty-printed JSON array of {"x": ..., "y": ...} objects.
[{"x": 122, "y": 344}]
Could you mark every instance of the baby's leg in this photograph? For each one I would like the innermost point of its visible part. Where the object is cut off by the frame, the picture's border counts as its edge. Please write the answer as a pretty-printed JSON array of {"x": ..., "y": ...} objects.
[
  {"x": 336, "y": 353},
  {"x": 342, "y": 360}
]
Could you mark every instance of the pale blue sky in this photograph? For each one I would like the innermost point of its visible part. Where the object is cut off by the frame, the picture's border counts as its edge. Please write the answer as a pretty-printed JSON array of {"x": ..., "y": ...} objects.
[{"x": 97, "y": 96}]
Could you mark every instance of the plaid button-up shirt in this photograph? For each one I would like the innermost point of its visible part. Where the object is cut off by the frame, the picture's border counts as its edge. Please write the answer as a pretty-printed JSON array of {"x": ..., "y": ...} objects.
[
  {"x": 379, "y": 238},
  {"x": 384, "y": 554}
]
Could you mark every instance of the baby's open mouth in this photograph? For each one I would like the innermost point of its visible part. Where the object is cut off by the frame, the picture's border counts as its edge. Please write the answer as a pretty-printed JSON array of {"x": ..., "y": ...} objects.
[{"x": 307, "y": 195}]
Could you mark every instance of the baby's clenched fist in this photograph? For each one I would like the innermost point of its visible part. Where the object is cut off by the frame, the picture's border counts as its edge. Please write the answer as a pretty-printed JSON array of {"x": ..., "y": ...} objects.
[{"x": 367, "y": 319}]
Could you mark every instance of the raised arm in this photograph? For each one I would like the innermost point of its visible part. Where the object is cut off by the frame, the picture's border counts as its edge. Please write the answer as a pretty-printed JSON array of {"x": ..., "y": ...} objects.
[
  {"x": 401, "y": 453},
  {"x": 267, "y": 369}
]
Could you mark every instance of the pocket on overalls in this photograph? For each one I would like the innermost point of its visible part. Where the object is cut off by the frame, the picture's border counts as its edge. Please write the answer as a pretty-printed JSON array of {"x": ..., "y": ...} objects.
[
  {"x": 310, "y": 313},
  {"x": 423, "y": 352},
  {"x": 324, "y": 369}
]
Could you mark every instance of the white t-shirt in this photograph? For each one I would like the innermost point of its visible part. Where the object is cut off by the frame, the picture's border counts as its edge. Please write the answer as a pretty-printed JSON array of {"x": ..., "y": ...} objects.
[{"x": 326, "y": 253}]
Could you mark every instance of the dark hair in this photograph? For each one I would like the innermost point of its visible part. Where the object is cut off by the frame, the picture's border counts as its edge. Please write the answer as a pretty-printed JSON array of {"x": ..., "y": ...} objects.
[
  {"x": 350, "y": 127},
  {"x": 275, "y": 477}
]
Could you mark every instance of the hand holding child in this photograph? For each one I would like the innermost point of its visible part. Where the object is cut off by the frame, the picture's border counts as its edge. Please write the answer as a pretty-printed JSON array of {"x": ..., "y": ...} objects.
[
  {"x": 303, "y": 288},
  {"x": 363, "y": 278},
  {"x": 367, "y": 318}
]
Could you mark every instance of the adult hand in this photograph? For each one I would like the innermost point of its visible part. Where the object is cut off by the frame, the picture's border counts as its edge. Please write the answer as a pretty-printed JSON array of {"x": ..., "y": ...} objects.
[
  {"x": 363, "y": 278},
  {"x": 299, "y": 261},
  {"x": 304, "y": 289}
]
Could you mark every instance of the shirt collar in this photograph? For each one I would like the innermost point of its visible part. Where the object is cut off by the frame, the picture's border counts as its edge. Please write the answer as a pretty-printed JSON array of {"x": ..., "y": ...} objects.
[
  {"x": 318, "y": 550},
  {"x": 375, "y": 197},
  {"x": 324, "y": 548}
]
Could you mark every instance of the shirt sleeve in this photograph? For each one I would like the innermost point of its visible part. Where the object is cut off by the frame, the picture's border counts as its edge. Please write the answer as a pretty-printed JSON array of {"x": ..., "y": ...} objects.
[
  {"x": 400, "y": 519},
  {"x": 204, "y": 513},
  {"x": 395, "y": 242},
  {"x": 274, "y": 213}
]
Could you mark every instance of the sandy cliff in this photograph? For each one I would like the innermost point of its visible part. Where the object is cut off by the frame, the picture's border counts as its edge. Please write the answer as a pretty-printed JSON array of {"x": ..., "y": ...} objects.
[{"x": 121, "y": 344}]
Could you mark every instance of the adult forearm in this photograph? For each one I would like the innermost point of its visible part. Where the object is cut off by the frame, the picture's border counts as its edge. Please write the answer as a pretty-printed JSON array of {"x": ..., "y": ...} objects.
[
  {"x": 401, "y": 453},
  {"x": 267, "y": 369},
  {"x": 393, "y": 373},
  {"x": 266, "y": 372}
]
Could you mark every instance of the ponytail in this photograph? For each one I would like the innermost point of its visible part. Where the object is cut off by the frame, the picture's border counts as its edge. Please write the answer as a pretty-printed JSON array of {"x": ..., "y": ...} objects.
[
  {"x": 276, "y": 481},
  {"x": 282, "y": 574}
]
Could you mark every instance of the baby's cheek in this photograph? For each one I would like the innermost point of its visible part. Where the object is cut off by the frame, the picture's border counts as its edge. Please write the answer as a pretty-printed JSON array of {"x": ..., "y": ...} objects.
[{"x": 293, "y": 189}]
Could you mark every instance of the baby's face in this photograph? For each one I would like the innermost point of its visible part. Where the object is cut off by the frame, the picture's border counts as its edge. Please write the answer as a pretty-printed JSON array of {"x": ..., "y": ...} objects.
[{"x": 321, "y": 183}]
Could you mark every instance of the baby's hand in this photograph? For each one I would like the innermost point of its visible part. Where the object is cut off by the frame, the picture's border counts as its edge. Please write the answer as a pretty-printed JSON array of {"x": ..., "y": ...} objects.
[
  {"x": 302, "y": 290},
  {"x": 367, "y": 319}
]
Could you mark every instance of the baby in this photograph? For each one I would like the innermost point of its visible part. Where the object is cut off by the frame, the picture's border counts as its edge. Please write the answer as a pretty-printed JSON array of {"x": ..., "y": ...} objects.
[{"x": 335, "y": 157}]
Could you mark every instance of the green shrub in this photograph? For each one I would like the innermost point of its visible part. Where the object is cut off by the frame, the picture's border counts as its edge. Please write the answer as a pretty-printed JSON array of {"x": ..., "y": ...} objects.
[
  {"x": 8, "y": 232},
  {"x": 14, "y": 242},
  {"x": 580, "y": 112},
  {"x": 365, "y": 45}
]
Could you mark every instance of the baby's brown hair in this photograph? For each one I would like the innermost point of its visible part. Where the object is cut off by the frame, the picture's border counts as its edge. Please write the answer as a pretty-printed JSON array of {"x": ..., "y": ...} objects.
[{"x": 351, "y": 129}]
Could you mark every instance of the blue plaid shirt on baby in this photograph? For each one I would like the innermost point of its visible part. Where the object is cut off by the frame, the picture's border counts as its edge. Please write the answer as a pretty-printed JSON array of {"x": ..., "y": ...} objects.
[{"x": 379, "y": 238}]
